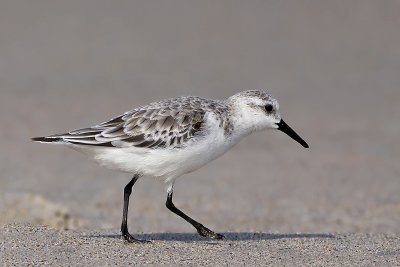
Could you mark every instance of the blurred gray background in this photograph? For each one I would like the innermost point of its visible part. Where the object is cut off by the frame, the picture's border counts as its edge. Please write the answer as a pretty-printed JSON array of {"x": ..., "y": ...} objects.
[{"x": 333, "y": 65}]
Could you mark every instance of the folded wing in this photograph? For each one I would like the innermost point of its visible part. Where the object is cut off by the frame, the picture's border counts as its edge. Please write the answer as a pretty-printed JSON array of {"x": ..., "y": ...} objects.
[{"x": 146, "y": 128}]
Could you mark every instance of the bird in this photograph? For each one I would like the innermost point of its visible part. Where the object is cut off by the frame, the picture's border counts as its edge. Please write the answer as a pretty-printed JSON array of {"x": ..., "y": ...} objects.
[{"x": 169, "y": 138}]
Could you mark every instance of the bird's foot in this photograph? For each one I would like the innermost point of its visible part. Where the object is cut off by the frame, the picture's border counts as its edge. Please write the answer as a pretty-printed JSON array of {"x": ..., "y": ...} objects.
[
  {"x": 203, "y": 231},
  {"x": 130, "y": 239}
]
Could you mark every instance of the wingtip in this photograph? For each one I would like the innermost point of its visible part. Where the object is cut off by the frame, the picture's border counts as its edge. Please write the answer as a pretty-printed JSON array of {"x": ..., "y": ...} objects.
[
  {"x": 46, "y": 139},
  {"x": 38, "y": 139}
]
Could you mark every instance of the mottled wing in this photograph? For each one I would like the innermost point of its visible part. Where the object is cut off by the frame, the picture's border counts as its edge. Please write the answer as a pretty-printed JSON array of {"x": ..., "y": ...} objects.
[{"x": 147, "y": 128}]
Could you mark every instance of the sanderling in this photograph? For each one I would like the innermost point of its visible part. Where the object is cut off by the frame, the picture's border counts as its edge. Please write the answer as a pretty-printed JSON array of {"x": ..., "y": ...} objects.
[{"x": 173, "y": 137}]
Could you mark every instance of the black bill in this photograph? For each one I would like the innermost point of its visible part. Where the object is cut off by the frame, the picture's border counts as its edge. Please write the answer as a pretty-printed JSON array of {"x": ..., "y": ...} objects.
[{"x": 289, "y": 131}]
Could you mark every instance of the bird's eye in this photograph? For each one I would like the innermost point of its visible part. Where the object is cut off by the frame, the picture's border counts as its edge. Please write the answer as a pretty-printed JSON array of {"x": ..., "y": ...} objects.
[{"x": 269, "y": 108}]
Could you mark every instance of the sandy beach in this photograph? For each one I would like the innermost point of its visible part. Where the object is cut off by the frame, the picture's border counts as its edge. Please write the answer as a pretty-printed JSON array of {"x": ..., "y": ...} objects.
[
  {"x": 333, "y": 66},
  {"x": 88, "y": 248}
]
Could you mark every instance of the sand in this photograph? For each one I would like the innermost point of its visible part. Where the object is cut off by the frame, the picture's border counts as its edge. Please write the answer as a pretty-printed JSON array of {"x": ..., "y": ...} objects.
[
  {"x": 88, "y": 248},
  {"x": 333, "y": 66}
]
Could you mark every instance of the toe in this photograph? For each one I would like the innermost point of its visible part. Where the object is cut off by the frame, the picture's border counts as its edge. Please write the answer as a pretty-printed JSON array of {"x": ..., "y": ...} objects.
[
  {"x": 130, "y": 239},
  {"x": 218, "y": 236}
]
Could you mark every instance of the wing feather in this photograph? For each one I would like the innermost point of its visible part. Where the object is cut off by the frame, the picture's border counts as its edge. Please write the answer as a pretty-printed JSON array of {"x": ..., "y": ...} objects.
[{"x": 145, "y": 128}]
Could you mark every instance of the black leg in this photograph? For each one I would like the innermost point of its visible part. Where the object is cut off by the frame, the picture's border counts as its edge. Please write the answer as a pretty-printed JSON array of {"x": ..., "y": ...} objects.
[
  {"x": 201, "y": 229},
  {"x": 124, "y": 226}
]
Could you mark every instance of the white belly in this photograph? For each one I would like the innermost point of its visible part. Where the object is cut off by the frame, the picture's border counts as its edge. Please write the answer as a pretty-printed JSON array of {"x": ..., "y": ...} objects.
[{"x": 166, "y": 163}]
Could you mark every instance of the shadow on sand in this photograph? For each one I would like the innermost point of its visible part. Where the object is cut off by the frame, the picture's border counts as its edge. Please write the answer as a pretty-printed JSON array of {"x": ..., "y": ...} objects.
[{"x": 229, "y": 236}]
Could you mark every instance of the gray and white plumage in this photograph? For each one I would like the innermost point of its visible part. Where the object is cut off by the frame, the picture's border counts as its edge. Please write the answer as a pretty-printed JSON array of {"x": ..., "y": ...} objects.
[
  {"x": 163, "y": 124},
  {"x": 172, "y": 137}
]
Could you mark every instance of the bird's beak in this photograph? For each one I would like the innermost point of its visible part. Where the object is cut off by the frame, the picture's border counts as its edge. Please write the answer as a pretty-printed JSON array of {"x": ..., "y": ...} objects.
[{"x": 289, "y": 131}]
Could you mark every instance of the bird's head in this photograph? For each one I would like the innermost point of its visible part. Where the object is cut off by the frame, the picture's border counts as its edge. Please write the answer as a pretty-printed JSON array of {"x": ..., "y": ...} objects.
[{"x": 255, "y": 110}]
